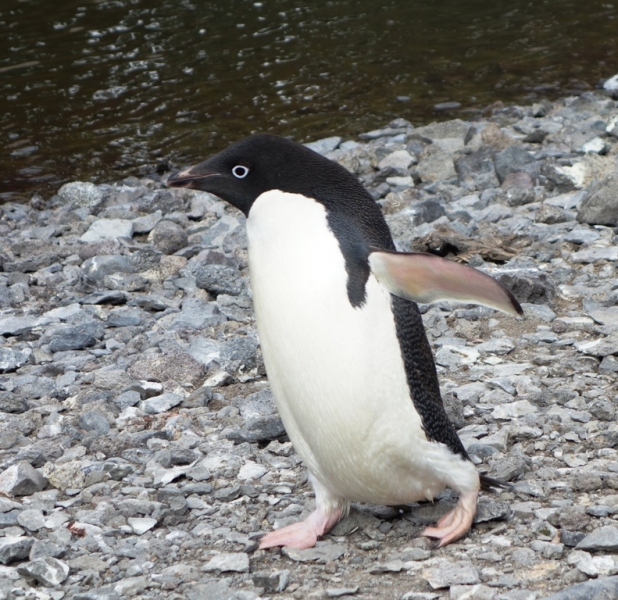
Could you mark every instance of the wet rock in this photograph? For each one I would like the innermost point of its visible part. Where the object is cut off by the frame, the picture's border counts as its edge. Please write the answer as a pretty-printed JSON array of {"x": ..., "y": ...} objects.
[{"x": 21, "y": 479}]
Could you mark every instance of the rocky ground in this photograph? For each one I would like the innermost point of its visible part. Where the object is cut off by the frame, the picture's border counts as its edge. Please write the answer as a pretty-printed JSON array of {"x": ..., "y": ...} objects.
[{"x": 140, "y": 451}]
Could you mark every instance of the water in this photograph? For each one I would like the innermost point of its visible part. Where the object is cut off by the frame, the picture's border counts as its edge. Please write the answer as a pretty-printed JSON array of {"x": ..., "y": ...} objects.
[{"x": 102, "y": 89}]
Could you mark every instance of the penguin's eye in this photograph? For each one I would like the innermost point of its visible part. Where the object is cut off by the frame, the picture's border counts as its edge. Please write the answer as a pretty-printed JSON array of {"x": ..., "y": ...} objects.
[{"x": 240, "y": 171}]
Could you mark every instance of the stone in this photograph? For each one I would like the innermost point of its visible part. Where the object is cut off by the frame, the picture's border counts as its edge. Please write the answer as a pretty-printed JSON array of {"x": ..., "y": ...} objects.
[
  {"x": 105, "y": 229},
  {"x": 435, "y": 164},
  {"x": 168, "y": 237},
  {"x": 447, "y": 573},
  {"x": 511, "y": 160},
  {"x": 326, "y": 145},
  {"x": 31, "y": 519},
  {"x": 81, "y": 193},
  {"x": 597, "y": 589},
  {"x": 11, "y": 403},
  {"x": 513, "y": 410},
  {"x": 275, "y": 581},
  {"x": 21, "y": 479},
  {"x": 76, "y": 338},
  {"x": 141, "y": 525},
  {"x": 177, "y": 365},
  {"x": 98, "y": 268},
  {"x": 219, "y": 279},
  {"x": 528, "y": 285},
  {"x": 47, "y": 571},
  {"x": 11, "y": 360},
  {"x": 323, "y": 552},
  {"x": 600, "y": 204},
  {"x": 400, "y": 160},
  {"x": 237, "y": 562},
  {"x": 603, "y": 539},
  {"x": 14, "y": 548},
  {"x": 159, "y": 404},
  {"x": 595, "y": 254}
]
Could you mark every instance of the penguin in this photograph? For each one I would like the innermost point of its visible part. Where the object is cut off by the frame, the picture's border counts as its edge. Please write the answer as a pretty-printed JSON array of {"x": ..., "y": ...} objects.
[{"x": 345, "y": 350}]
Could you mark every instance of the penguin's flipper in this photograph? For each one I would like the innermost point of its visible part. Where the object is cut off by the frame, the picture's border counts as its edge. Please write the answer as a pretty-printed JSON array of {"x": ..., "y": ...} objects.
[{"x": 427, "y": 278}]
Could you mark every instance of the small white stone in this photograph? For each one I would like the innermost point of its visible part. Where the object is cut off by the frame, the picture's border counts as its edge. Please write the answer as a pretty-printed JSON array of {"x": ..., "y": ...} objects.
[
  {"x": 595, "y": 146},
  {"x": 611, "y": 84},
  {"x": 228, "y": 561},
  {"x": 105, "y": 229},
  {"x": 400, "y": 159},
  {"x": 512, "y": 410},
  {"x": 141, "y": 525},
  {"x": 251, "y": 470}
]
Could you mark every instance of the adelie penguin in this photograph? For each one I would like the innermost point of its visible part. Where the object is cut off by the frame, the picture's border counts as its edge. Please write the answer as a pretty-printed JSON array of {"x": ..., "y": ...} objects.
[{"x": 344, "y": 346}]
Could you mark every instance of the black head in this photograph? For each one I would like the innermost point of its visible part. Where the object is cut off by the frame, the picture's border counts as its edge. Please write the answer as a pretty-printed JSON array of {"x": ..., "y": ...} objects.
[{"x": 264, "y": 162}]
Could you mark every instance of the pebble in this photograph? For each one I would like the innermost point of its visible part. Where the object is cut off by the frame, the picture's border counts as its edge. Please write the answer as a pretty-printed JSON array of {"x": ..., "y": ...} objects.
[
  {"x": 131, "y": 377},
  {"x": 228, "y": 561},
  {"x": 47, "y": 571}
]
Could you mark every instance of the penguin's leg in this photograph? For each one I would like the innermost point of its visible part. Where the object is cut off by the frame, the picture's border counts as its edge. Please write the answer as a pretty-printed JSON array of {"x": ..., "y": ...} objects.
[
  {"x": 457, "y": 522},
  {"x": 329, "y": 509}
]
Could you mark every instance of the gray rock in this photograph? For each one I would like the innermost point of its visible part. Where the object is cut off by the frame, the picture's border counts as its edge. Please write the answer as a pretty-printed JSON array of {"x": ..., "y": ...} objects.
[
  {"x": 47, "y": 571},
  {"x": 198, "y": 314},
  {"x": 22, "y": 479},
  {"x": 602, "y": 538},
  {"x": 600, "y": 204},
  {"x": 595, "y": 254},
  {"x": 94, "y": 422},
  {"x": 14, "y": 548},
  {"x": 81, "y": 193},
  {"x": 228, "y": 561},
  {"x": 11, "y": 360},
  {"x": 511, "y": 160},
  {"x": 76, "y": 338},
  {"x": 99, "y": 267},
  {"x": 176, "y": 365},
  {"x": 11, "y": 403},
  {"x": 45, "y": 548},
  {"x": 146, "y": 223},
  {"x": 275, "y": 581},
  {"x": 599, "y": 589},
  {"x": 219, "y": 279},
  {"x": 31, "y": 519},
  {"x": 159, "y": 404},
  {"x": 130, "y": 398},
  {"x": 125, "y": 317},
  {"x": 216, "y": 590},
  {"x": 435, "y": 164},
  {"x": 323, "y": 552},
  {"x": 12, "y": 326},
  {"x": 326, "y": 145},
  {"x": 105, "y": 229},
  {"x": 528, "y": 285},
  {"x": 448, "y": 573},
  {"x": 168, "y": 237}
]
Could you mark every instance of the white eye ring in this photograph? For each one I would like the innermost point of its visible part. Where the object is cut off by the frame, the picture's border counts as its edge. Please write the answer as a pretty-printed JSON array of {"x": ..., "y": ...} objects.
[{"x": 240, "y": 171}]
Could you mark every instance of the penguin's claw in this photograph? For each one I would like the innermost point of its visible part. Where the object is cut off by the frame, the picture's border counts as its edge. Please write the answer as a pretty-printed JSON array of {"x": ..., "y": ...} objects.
[
  {"x": 301, "y": 535},
  {"x": 455, "y": 523}
]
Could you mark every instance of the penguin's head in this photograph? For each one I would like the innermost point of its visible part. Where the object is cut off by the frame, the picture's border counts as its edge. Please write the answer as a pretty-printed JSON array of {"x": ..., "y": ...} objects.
[{"x": 264, "y": 162}]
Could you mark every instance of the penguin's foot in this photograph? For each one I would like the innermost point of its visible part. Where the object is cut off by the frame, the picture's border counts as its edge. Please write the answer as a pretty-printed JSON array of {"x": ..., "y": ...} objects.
[
  {"x": 455, "y": 523},
  {"x": 304, "y": 534}
]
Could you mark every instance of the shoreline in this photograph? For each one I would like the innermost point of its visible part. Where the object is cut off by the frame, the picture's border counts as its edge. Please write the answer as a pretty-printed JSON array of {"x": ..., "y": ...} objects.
[{"x": 140, "y": 449}]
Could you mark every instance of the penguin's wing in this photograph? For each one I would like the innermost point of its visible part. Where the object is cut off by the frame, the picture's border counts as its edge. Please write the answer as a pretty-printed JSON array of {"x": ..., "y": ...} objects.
[{"x": 427, "y": 278}]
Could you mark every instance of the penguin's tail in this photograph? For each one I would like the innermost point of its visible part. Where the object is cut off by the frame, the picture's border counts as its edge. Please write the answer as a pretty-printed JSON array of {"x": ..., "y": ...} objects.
[{"x": 488, "y": 483}]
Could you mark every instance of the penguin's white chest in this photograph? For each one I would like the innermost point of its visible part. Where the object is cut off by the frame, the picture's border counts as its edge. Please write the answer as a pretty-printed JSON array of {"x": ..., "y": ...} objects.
[{"x": 336, "y": 370}]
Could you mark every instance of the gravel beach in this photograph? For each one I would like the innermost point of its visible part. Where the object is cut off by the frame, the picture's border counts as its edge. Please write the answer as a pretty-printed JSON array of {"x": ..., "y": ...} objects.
[{"x": 140, "y": 450}]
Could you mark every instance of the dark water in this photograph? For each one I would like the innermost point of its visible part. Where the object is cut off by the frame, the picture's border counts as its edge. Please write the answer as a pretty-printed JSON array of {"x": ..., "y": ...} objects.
[{"x": 99, "y": 89}]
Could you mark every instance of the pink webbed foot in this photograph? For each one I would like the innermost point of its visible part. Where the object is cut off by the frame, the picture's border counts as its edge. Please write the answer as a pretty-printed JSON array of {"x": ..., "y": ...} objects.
[
  {"x": 304, "y": 534},
  {"x": 455, "y": 523}
]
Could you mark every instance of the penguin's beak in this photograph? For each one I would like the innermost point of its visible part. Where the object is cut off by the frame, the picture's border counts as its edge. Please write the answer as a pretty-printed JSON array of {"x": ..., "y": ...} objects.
[{"x": 190, "y": 178}]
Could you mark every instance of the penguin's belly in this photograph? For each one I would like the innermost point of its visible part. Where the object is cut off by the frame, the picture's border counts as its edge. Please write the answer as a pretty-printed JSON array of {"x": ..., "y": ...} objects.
[{"x": 336, "y": 370}]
